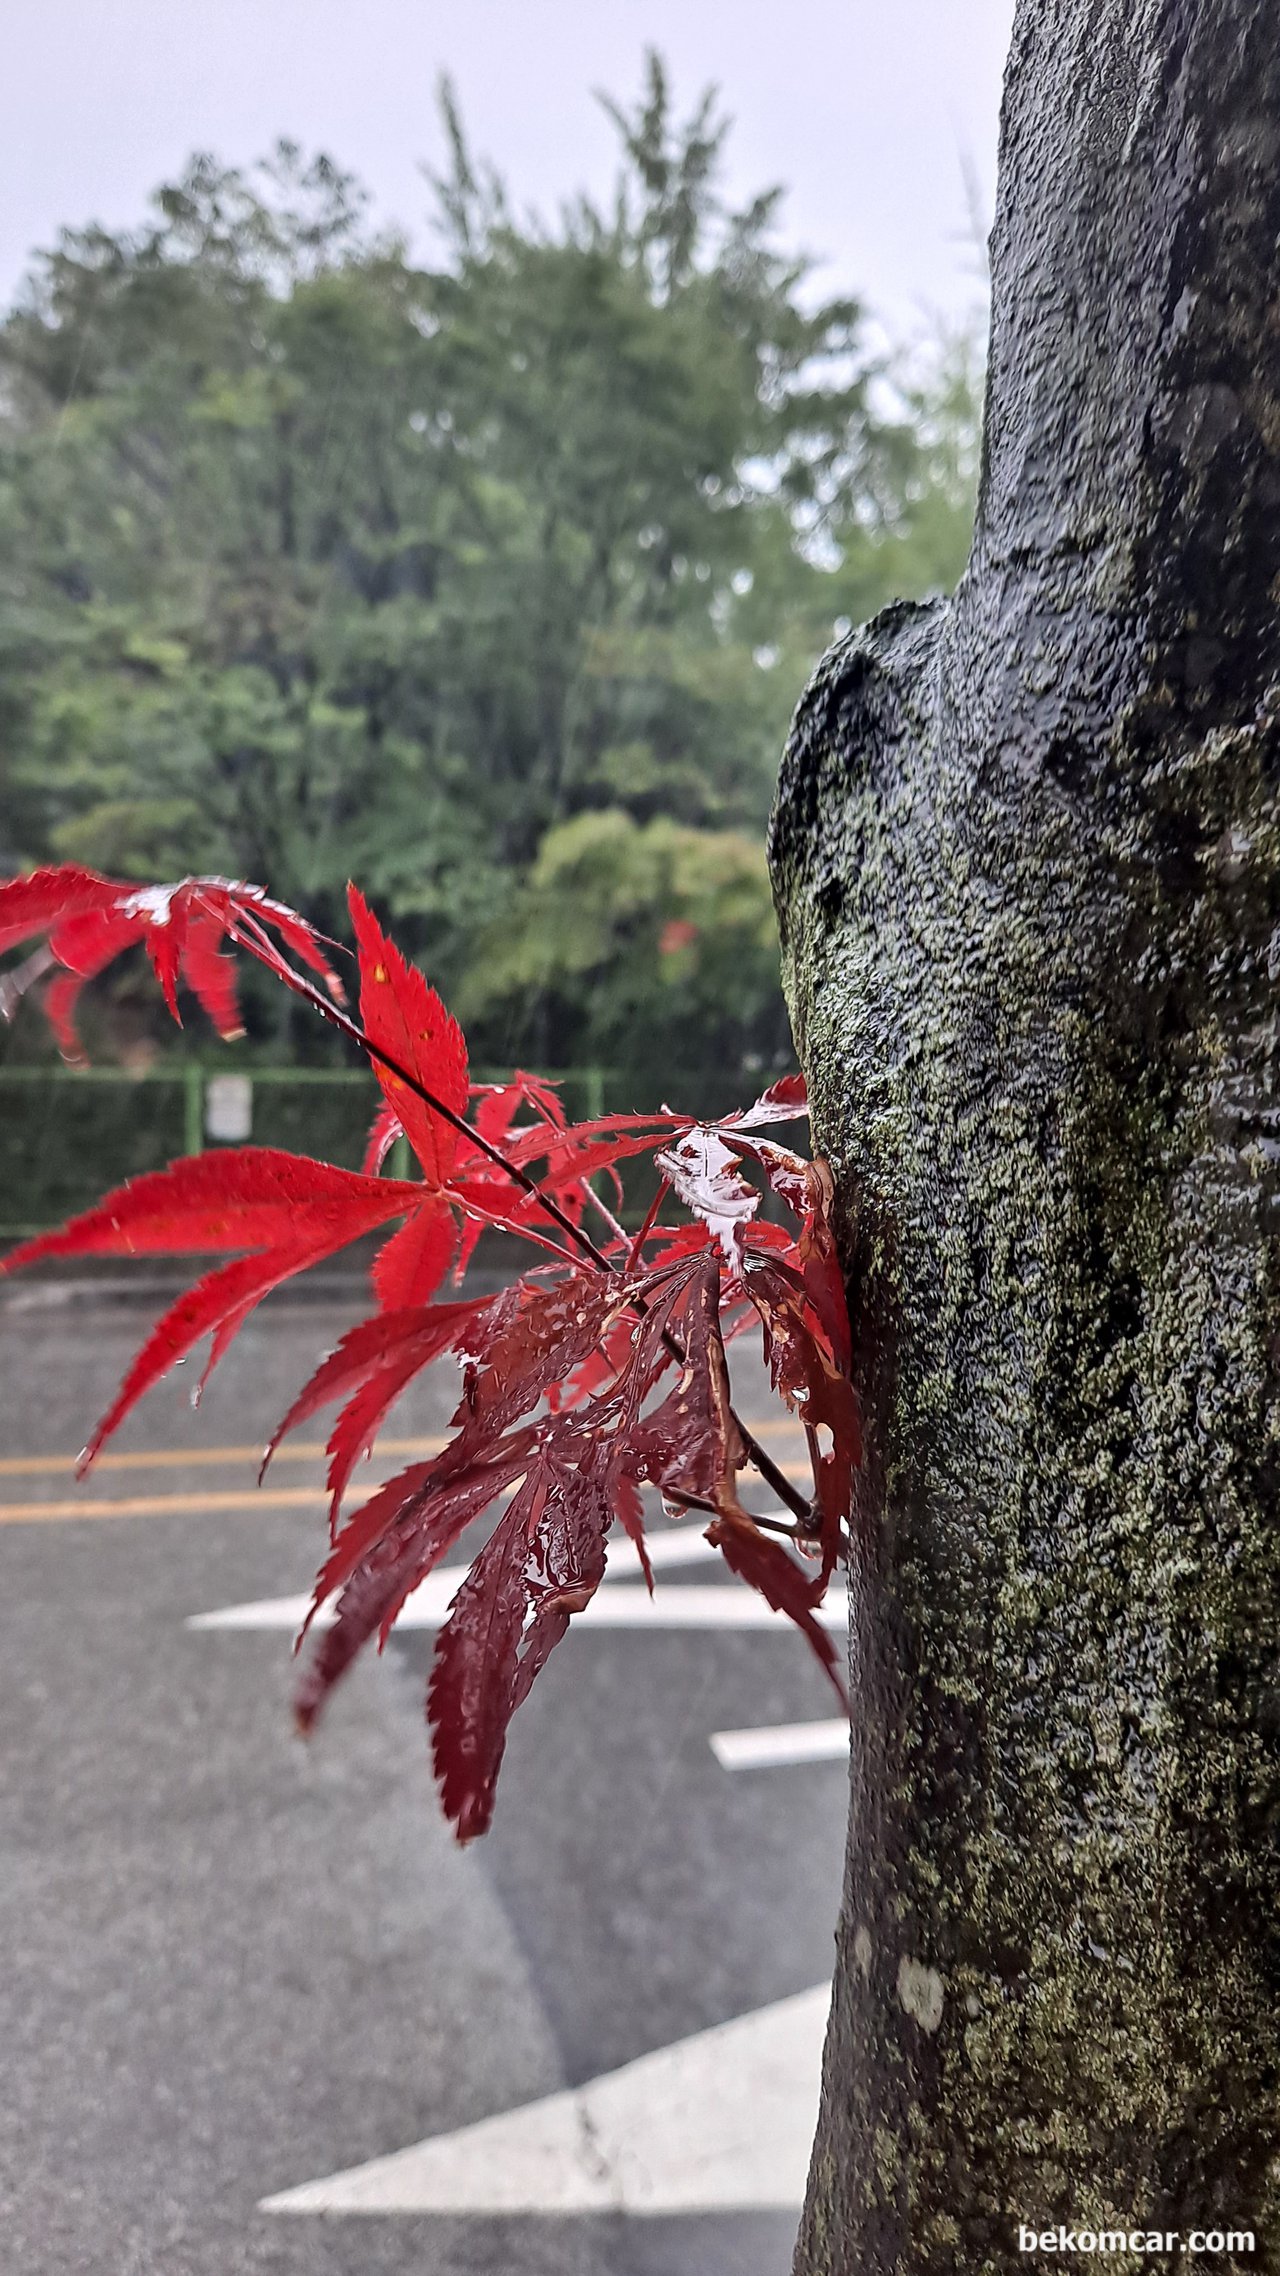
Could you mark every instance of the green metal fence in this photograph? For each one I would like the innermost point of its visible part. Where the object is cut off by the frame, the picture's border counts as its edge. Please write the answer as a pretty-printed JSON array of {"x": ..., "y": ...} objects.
[{"x": 67, "y": 1135}]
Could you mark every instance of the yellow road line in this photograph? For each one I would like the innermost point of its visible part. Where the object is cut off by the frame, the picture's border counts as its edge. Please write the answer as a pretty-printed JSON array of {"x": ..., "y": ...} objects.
[
  {"x": 164, "y": 1505},
  {"x": 210, "y": 1504},
  {"x": 197, "y": 1457},
  {"x": 296, "y": 1450}
]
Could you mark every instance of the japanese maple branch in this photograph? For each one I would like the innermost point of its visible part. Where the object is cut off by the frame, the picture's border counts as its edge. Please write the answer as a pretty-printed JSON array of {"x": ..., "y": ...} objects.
[
  {"x": 765, "y": 1524},
  {"x": 775, "y": 1478}
]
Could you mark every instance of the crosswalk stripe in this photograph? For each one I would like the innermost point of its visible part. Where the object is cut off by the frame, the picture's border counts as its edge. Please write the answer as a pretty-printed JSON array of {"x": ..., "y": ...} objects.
[
  {"x": 716, "y": 2123},
  {"x": 767, "y": 1745},
  {"x": 712, "y": 1606}
]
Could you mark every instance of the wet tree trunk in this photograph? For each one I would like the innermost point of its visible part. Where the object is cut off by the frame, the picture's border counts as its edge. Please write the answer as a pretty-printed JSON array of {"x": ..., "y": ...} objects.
[{"x": 1027, "y": 858}]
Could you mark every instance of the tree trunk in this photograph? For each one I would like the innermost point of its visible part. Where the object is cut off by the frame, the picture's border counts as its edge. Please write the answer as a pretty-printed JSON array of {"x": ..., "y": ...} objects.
[{"x": 1027, "y": 859}]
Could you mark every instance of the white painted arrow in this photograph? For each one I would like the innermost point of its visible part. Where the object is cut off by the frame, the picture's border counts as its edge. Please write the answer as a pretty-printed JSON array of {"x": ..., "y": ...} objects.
[{"x": 721, "y": 2122}]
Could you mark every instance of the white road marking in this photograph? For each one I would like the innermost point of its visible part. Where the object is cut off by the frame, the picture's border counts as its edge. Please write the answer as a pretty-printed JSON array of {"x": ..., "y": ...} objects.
[
  {"x": 621, "y": 1603},
  {"x": 776, "y": 1743},
  {"x": 720, "y": 2122},
  {"x": 665, "y": 1550},
  {"x": 733, "y": 1606}
]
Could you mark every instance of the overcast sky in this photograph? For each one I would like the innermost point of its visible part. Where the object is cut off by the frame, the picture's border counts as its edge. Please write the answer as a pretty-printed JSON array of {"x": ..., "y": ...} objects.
[{"x": 862, "y": 107}]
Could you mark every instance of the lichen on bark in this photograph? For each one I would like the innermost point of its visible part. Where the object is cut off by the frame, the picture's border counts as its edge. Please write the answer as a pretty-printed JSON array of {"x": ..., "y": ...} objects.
[{"x": 1027, "y": 861}]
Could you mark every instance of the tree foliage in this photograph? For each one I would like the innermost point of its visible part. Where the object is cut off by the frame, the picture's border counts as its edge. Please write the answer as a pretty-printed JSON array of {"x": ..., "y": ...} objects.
[{"x": 314, "y": 557}]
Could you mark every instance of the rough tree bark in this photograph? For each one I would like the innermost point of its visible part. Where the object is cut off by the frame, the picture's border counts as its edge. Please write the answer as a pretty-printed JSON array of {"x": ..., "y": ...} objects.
[{"x": 1027, "y": 859}]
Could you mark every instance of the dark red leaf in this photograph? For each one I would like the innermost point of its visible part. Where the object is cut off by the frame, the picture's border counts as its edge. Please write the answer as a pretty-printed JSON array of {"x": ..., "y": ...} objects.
[
  {"x": 427, "y": 1506},
  {"x": 471, "y": 1693},
  {"x": 788, "y": 1173},
  {"x": 803, "y": 1370},
  {"x": 389, "y": 1545},
  {"x": 547, "y": 1557},
  {"x": 689, "y": 1444},
  {"x": 601, "y": 1365},
  {"x": 648, "y": 1229},
  {"x": 405, "y": 1017},
  {"x": 807, "y": 1188},
  {"x": 628, "y": 1508},
  {"x": 642, "y": 1346},
  {"x": 568, "y": 1558},
  {"x": 533, "y": 1338},
  {"x": 767, "y": 1567}
]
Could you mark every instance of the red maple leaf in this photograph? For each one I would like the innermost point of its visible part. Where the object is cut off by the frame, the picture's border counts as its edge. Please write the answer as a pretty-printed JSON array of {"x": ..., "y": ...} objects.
[
  {"x": 90, "y": 920},
  {"x": 782, "y": 1583},
  {"x": 412, "y": 1035},
  {"x": 286, "y": 1211},
  {"x": 584, "y": 1383}
]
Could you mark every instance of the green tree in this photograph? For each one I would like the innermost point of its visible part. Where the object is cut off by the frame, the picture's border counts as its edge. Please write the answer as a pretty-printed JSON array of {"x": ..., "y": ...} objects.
[{"x": 313, "y": 558}]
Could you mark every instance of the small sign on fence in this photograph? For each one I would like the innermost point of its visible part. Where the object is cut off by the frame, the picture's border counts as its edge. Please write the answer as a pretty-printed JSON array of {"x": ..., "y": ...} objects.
[{"x": 228, "y": 1108}]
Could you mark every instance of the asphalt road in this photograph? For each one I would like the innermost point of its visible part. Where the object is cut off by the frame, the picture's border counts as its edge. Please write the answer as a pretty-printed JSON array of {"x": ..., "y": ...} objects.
[{"x": 235, "y": 1963}]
